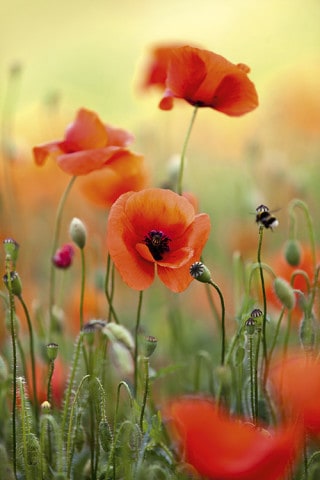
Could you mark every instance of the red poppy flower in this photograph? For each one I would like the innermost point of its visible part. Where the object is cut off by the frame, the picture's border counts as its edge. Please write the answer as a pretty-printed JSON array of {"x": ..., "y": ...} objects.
[
  {"x": 205, "y": 79},
  {"x": 88, "y": 145},
  {"x": 155, "y": 229},
  {"x": 63, "y": 256},
  {"x": 58, "y": 382},
  {"x": 225, "y": 448},
  {"x": 156, "y": 71},
  {"x": 124, "y": 172},
  {"x": 296, "y": 383}
]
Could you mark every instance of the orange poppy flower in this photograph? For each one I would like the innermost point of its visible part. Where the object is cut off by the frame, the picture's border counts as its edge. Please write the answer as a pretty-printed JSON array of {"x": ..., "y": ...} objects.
[
  {"x": 88, "y": 145},
  {"x": 124, "y": 172},
  {"x": 156, "y": 71},
  {"x": 296, "y": 383},
  {"x": 221, "y": 447},
  {"x": 205, "y": 79},
  {"x": 155, "y": 229},
  {"x": 58, "y": 382}
]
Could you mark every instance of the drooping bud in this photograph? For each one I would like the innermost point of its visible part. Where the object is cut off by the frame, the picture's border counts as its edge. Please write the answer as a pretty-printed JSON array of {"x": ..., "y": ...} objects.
[
  {"x": 150, "y": 344},
  {"x": 307, "y": 333},
  {"x": 200, "y": 272},
  {"x": 284, "y": 292},
  {"x": 292, "y": 252},
  {"x": 119, "y": 333},
  {"x": 11, "y": 248},
  {"x": 78, "y": 232},
  {"x": 52, "y": 351},
  {"x": 13, "y": 283},
  {"x": 63, "y": 256}
]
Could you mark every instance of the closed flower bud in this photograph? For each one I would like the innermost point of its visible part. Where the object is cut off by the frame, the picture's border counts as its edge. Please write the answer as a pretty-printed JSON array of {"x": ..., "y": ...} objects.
[
  {"x": 78, "y": 232},
  {"x": 13, "y": 283},
  {"x": 52, "y": 351},
  {"x": 307, "y": 332},
  {"x": 119, "y": 333},
  {"x": 292, "y": 252},
  {"x": 11, "y": 248},
  {"x": 63, "y": 256},
  {"x": 200, "y": 272},
  {"x": 105, "y": 435},
  {"x": 284, "y": 292}
]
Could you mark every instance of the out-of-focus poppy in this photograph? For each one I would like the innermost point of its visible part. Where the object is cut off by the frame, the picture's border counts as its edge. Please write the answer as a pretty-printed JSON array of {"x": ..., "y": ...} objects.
[
  {"x": 88, "y": 145},
  {"x": 295, "y": 380},
  {"x": 205, "y": 79},
  {"x": 58, "y": 382},
  {"x": 155, "y": 229},
  {"x": 221, "y": 447},
  {"x": 63, "y": 256},
  {"x": 124, "y": 172}
]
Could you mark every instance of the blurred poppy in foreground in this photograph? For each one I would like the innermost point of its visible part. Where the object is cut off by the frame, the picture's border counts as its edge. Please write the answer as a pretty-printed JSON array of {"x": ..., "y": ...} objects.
[
  {"x": 63, "y": 256},
  {"x": 225, "y": 448},
  {"x": 88, "y": 145},
  {"x": 205, "y": 79},
  {"x": 124, "y": 172},
  {"x": 295, "y": 380},
  {"x": 58, "y": 382},
  {"x": 155, "y": 230}
]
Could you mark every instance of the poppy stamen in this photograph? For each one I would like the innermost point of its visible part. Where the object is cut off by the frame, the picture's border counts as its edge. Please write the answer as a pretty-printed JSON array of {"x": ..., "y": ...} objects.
[{"x": 158, "y": 243}]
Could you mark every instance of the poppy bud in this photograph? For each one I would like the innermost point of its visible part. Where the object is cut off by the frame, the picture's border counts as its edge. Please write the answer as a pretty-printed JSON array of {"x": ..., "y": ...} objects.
[
  {"x": 292, "y": 252},
  {"x": 200, "y": 272},
  {"x": 52, "y": 351},
  {"x": 307, "y": 332},
  {"x": 119, "y": 333},
  {"x": 14, "y": 284},
  {"x": 78, "y": 232},
  {"x": 150, "y": 344},
  {"x": 63, "y": 256},
  {"x": 11, "y": 248},
  {"x": 284, "y": 292}
]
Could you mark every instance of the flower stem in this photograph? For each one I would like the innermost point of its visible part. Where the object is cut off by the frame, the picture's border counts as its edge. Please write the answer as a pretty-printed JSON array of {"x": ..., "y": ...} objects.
[
  {"x": 223, "y": 328},
  {"x": 146, "y": 390},
  {"x": 136, "y": 337},
  {"x": 109, "y": 295},
  {"x": 83, "y": 277},
  {"x": 264, "y": 300},
  {"x": 32, "y": 355},
  {"x": 184, "y": 149},
  {"x": 54, "y": 248}
]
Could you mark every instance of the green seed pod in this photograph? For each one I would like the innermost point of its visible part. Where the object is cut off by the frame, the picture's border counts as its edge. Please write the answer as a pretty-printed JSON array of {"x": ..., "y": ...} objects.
[
  {"x": 150, "y": 344},
  {"x": 284, "y": 292},
  {"x": 13, "y": 283},
  {"x": 11, "y": 248},
  {"x": 200, "y": 272},
  {"x": 78, "y": 232},
  {"x": 52, "y": 351},
  {"x": 250, "y": 326},
  {"x": 292, "y": 252}
]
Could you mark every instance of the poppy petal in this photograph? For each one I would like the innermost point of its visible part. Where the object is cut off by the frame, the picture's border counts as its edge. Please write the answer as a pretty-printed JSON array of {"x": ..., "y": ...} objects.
[
  {"x": 86, "y": 161},
  {"x": 42, "y": 152},
  {"x": 86, "y": 132}
]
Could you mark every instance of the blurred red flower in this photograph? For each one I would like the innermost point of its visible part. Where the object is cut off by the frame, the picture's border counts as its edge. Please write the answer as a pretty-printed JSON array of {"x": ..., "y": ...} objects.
[
  {"x": 155, "y": 229},
  {"x": 124, "y": 172},
  {"x": 88, "y": 145},
  {"x": 221, "y": 447},
  {"x": 296, "y": 383},
  {"x": 58, "y": 382},
  {"x": 203, "y": 79},
  {"x": 63, "y": 256}
]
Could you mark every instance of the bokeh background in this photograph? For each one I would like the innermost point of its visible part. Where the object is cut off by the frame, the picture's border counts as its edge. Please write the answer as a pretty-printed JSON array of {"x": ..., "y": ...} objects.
[{"x": 56, "y": 57}]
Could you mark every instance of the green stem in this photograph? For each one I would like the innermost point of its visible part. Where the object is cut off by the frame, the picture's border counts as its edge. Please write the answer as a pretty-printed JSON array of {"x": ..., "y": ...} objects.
[
  {"x": 264, "y": 299},
  {"x": 223, "y": 328},
  {"x": 146, "y": 390},
  {"x": 49, "y": 388},
  {"x": 83, "y": 277},
  {"x": 256, "y": 363},
  {"x": 252, "y": 388},
  {"x": 136, "y": 339},
  {"x": 109, "y": 295},
  {"x": 33, "y": 363},
  {"x": 53, "y": 251},
  {"x": 184, "y": 149}
]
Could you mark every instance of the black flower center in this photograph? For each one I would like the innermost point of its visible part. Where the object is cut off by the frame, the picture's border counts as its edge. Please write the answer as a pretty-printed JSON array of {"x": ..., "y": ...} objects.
[{"x": 158, "y": 243}]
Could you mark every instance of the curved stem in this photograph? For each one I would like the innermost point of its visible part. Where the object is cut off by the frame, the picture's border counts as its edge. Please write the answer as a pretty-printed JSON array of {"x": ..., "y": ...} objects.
[
  {"x": 184, "y": 149},
  {"x": 54, "y": 248},
  {"x": 223, "y": 328}
]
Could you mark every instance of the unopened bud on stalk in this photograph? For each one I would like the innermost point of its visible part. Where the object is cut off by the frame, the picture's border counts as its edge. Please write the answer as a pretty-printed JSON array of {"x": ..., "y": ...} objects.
[
  {"x": 52, "y": 351},
  {"x": 200, "y": 272},
  {"x": 78, "y": 232},
  {"x": 307, "y": 333},
  {"x": 284, "y": 292},
  {"x": 119, "y": 333},
  {"x": 292, "y": 252},
  {"x": 13, "y": 284},
  {"x": 11, "y": 248}
]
